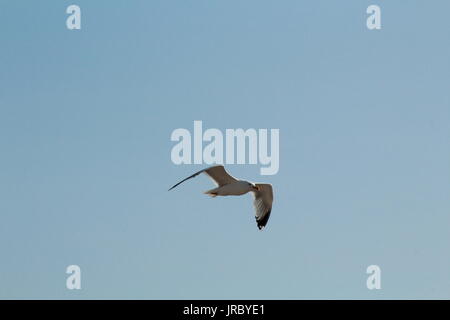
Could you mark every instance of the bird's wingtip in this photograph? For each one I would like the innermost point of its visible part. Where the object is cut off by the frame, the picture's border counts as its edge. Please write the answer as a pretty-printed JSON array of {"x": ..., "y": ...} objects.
[{"x": 261, "y": 223}]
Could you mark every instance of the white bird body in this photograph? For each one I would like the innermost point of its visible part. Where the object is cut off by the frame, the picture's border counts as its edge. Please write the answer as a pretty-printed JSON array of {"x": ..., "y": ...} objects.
[
  {"x": 237, "y": 188},
  {"x": 230, "y": 186}
]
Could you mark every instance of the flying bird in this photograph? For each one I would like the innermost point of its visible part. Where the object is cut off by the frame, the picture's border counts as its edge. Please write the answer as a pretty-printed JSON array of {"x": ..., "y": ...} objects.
[{"x": 228, "y": 185}]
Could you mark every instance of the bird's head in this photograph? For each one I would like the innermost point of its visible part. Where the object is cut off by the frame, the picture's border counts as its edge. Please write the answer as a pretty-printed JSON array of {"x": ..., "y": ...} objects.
[{"x": 253, "y": 186}]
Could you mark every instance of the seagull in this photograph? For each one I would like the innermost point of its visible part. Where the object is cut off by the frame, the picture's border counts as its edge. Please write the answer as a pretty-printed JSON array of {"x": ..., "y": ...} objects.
[{"x": 228, "y": 185}]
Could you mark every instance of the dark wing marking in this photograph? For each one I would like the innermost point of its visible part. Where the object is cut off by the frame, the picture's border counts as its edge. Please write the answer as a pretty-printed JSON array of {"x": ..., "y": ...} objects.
[{"x": 263, "y": 204}]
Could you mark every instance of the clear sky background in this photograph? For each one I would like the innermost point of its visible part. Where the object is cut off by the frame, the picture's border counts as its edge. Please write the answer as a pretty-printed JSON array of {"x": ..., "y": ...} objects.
[{"x": 85, "y": 124}]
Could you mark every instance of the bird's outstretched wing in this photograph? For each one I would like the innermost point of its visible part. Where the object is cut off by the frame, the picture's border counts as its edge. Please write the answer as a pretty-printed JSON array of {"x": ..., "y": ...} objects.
[
  {"x": 263, "y": 204},
  {"x": 216, "y": 173}
]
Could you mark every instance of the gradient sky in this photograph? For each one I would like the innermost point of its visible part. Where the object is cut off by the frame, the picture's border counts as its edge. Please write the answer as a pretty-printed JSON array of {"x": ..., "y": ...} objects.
[{"x": 85, "y": 124}]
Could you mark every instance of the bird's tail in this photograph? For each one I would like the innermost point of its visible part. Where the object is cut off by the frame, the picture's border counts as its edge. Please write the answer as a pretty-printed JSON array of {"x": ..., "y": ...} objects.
[{"x": 212, "y": 192}]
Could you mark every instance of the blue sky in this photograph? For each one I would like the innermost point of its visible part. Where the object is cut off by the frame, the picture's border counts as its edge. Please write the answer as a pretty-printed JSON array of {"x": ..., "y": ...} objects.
[{"x": 85, "y": 124}]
